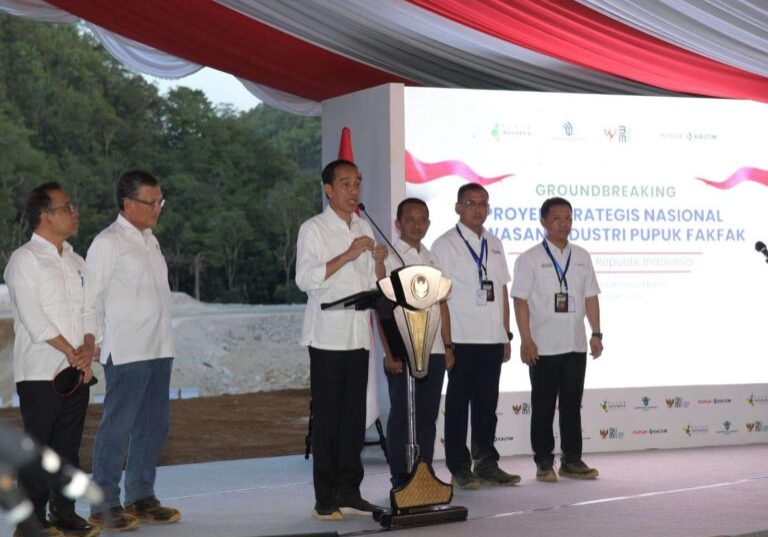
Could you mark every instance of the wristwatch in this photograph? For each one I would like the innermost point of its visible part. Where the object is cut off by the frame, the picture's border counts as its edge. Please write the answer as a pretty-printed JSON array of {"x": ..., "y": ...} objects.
[
  {"x": 510, "y": 335},
  {"x": 598, "y": 335},
  {"x": 451, "y": 346}
]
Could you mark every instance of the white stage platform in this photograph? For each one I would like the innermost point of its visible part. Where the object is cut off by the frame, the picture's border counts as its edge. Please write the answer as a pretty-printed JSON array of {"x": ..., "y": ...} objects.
[{"x": 700, "y": 492}]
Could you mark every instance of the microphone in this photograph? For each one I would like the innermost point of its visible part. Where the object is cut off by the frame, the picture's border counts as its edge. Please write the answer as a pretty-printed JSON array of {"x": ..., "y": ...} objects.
[
  {"x": 760, "y": 247},
  {"x": 362, "y": 209}
]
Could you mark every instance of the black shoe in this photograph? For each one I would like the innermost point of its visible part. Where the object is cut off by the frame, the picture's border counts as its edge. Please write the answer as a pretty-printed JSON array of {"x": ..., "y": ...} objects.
[
  {"x": 71, "y": 524},
  {"x": 116, "y": 519},
  {"x": 357, "y": 506}
]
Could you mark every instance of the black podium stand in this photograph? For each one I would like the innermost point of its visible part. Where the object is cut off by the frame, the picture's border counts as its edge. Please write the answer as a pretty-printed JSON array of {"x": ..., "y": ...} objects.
[{"x": 407, "y": 305}]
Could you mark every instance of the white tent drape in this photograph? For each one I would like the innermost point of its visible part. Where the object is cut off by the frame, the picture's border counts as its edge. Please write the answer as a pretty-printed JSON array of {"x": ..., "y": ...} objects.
[{"x": 734, "y": 32}]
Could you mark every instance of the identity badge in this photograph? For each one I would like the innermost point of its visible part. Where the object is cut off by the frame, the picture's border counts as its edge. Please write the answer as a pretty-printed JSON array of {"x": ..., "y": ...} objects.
[
  {"x": 487, "y": 286},
  {"x": 561, "y": 302},
  {"x": 481, "y": 297}
]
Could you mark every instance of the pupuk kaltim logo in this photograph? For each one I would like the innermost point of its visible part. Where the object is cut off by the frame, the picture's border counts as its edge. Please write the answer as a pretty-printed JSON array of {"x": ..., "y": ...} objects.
[
  {"x": 418, "y": 172},
  {"x": 746, "y": 174}
]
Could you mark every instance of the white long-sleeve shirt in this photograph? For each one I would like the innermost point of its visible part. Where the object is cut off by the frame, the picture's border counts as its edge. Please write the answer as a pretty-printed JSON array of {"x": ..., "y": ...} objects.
[
  {"x": 47, "y": 299},
  {"x": 127, "y": 295},
  {"x": 321, "y": 238}
]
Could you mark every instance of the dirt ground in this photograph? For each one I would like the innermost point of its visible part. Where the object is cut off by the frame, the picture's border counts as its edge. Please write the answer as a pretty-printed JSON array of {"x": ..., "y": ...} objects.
[{"x": 224, "y": 427}]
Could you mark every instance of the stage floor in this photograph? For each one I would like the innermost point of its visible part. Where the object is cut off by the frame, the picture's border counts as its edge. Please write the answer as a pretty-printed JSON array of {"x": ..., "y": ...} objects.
[{"x": 685, "y": 492}]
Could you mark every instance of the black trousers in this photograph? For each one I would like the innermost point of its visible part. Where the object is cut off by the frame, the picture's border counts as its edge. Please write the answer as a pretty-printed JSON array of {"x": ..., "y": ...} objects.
[
  {"x": 556, "y": 377},
  {"x": 427, "y": 408},
  {"x": 473, "y": 381},
  {"x": 56, "y": 422},
  {"x": 339, "y": 380}
]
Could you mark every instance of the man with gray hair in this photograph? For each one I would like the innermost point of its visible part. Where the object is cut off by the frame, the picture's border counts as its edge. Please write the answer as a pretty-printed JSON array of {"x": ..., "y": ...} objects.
[{"x": 128, "y": 308}]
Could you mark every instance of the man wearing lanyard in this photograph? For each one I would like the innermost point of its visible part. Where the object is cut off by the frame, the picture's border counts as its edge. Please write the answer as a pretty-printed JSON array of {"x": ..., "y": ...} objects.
[
  {"x": 478, "y": 332},
  {"x": 553, "y": 290}
]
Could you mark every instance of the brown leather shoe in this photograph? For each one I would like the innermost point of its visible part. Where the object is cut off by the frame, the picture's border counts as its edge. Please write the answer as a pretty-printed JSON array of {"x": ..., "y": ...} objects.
[
  {"x": 116, "y": 519},
  {"x": 150, "y": 511}
]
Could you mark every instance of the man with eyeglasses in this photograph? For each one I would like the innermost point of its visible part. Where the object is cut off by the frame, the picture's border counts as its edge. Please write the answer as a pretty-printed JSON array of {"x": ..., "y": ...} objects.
[
  {"x": 128, "y": 309},
  {"x": 45, "y": 280},
  {"x": 479, "y": 333}
]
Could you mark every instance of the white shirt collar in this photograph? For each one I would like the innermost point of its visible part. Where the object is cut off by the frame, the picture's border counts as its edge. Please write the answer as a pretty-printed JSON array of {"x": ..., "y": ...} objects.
[
  {"x": 469, "y": 233},
  {"x": 45, "y": 243},
  {"x": 554, "y": 248},
  {"x": 130, "y": 228},
  {"x": 330, "y": 215},
  {"x": 403, "y": 247}
]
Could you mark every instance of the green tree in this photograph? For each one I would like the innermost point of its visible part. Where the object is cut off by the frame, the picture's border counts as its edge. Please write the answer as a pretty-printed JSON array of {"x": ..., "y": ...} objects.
[{"x": 238, "y": 185}]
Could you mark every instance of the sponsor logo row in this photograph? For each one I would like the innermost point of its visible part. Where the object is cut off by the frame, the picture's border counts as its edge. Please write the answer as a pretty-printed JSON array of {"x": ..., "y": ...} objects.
[
  {"x": 646, "y": 403},
  {"x": 619, "y": 133},
  {"x": 725, "y": 428}
]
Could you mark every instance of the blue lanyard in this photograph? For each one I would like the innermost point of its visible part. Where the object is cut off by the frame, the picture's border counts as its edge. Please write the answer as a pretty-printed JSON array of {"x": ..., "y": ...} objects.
[
  {"x": 558, "y": 269},
  {"x": 478, "y": 258}
]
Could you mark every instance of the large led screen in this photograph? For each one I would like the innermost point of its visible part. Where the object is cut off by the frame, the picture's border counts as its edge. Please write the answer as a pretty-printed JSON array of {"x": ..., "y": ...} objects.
[{"x": 670, "y": 196}]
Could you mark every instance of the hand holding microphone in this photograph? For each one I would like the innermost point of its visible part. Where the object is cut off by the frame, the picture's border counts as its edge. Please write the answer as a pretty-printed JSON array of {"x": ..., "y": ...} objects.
[{"x": 360, "y": 245}]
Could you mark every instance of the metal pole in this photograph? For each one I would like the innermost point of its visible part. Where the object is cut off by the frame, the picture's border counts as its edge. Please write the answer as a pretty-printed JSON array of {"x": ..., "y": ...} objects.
[{"x": 413, "y": 447}]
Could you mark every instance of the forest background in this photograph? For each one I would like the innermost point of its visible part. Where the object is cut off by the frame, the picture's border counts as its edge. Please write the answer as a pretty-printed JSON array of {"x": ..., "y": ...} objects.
[{"x": 237, "y": 184}]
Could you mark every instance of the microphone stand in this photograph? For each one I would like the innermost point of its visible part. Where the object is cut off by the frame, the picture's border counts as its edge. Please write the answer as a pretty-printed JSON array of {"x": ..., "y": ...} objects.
[{"x": 368, "y": 216}]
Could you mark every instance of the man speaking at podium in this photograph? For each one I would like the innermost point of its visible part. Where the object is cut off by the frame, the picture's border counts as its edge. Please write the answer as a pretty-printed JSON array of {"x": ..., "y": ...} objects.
[
  {"x": 412, "y": 223},
  {"x": 337, "y": 257}
]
